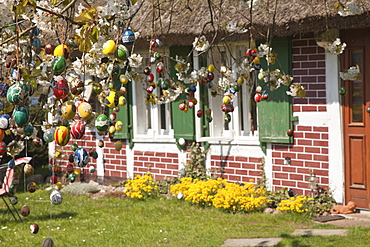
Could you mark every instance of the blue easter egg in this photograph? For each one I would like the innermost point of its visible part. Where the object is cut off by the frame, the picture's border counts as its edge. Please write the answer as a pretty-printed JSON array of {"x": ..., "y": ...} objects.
[
  {"x": 36, "y": 31},
  {"x": 36, "y": 43},
  {"x": 4, "y": 122},
  {"x": 81, "y": 157},
  {"x": 128, "y": 37},
  {"x": 3, "y": 89},
  {"x": 11, "y": 164},
  {"x": 232, "y": 90},
  {"x": 16, "y": 73},
  {"x": 193, "y": 88}
]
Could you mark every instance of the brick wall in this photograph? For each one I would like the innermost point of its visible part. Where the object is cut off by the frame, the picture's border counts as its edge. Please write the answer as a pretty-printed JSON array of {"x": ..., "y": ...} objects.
[
  {"x": 309, "y": 71},
  {"x": 160, "y": 164},
  {"x": 237, "y": 168}
]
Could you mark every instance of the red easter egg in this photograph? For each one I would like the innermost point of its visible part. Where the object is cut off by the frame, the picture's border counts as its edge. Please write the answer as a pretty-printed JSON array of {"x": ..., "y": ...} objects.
[
  {"x": 49, "y": 49},
  {"x": 2, "y": 148},
  {"x": 61, "y": 89},
  {"x": 257, "y": 97},
  {"x": 150, "y": 77},
  {"x": 199, "y": 113},
  {"x": 53, "y": 179},
  {"x": 70, "y": 168},
  {"x": 78, "y": 129},
  {"x": 61, "y": 135}
]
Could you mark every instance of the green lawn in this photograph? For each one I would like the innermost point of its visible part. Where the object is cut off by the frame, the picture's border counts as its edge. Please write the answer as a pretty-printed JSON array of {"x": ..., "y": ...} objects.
[{"x": 80, "y": 221}]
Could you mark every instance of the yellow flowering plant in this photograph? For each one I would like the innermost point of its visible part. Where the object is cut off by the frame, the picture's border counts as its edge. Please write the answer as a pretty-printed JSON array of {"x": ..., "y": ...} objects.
[
  {"x": 142, "y": 187},
  {"x": 298, "y": 204}
]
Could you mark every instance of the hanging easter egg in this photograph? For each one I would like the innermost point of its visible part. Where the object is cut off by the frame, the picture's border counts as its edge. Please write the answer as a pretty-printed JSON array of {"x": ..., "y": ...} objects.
[
  {"x": 49, "y": 135},
  {"x": 119, "y": 126},
  {"x": 4, "y": 122},
  {"x": 210, "y": 76},
  {"x": 16, "y": 94},
  {"x": 31, "y": 187},
  {"x": 227, "y": 118},
  {"x": 257, "y": 97},
  {"x": 236, "y": 88},
  {"x": 53, "y": 179},
  {"x": 8, "y": 107},
  {"x": 37, "y": 142},
  {"x": 70, "y": 168},
  {"x": 16, "y": 73},
  {"x": 11, "y": 163},
  {"x": 208, "y": 112},
  {"x": 199, "y": 113},
  {"x": 56, "y": 197},
  {"x": 2, "y": 134},
  {"x": 3, "y": 90},
  {"x": 78, "y": 129},
  {"x": 28, "y": 169},
  {"x": 109, "y": 47},
  {"x": 71, "y": 42},
  {"x": 74, "y": 146},
  {"x": 122, "y": 101},
  {"x": 123, "y": 78},
  {"x": 77, "y": 172},
  {"x": 150, "y": 89},
  {"x": 93, "y": 153},
  {"x": 58, "y": 186},
  {"x": 2, "y": 148},
  {"x": 128, "y": 37},
  {"x": 71, "y": 158},
  {"x": 97, "y": 88},
  {"x": 71, "y": 177},
  {"x": 25, "y": 211},
  {"x": 21, "y": 115},
  {"x": 59, "y": 64},
  {"x": 226, "y": 99},
  {"x": 343, "y": 91},
  {"x": 102, "y": 122},
  {"x": 122, "y": 53},
  {"x": 91, "y": 169},
  {"x": 150, "y": 78},
  {"x": 232, "y": 90},
  {"x": 36, "y": 43},
  {"x": 123, "y": 91},
  {"x": 160, "y": 67},
  {"x": 190, "y": 104},
  {"x": 27, "y": 129},
  {"x": 209, "y": 118},
  {"x": 113, "y": 116},
  {"x": 147, "y": 70},
  {"x": 78, "y": 86},
  {"x": 61, "y": 135},
  {"x": 182, "y": 106},
  {"x": 101, "y": 143},
  {"x": 61, "y": 89},
  {"x": 240, "y": 80},
  {"x": 213, "y": 93},
  {"x": 264, "y": 95},
  {"x": 112, "y": 129},
  {"x": 112, "y": 99},
  {"x": 192, "y": 88},
  {"x": 85, "y": 111},
  {"x": 34, "y": 228},
  {"x": 211, "y": 68},
  {"x": 118, "y": 145},
  {"x": 49, "y": 49},
  {"x": 251, "y": 53},
  {"x": 61, "y": 50},
  {"x": 68, "y": 110},
  {"x": 81, "y": 157},
  {"x": 258, "y": 89},
  {"x": 14, "y": 200}
]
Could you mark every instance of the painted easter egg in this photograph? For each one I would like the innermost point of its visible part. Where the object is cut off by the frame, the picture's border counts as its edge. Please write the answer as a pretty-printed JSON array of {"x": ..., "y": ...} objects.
[
  {"x": 16, "y": 94},
  {"x": 68, "y": 110},
  {"x": 61, "y": 89},
  {"x": 34, "y": 228},
  {"x": 101, "y": 143},
  {"x": 123, "y": 78},
  {"x": 2, "y": 134},
  {"x": 70, "y": 168},
  {"x": 77, "y": 86},
  {"x": 11, "y": 163},
  {"x": 112, "y": 129},
  {"x": 3, "y": 89},
  {"x": 7, "y": 106},
  {"x": 59, "y": 64},
  {"x": 85, "y": 111},
  {"x": 160, "y": 67},
  {"x": 113, "y": 116},
  {"x": 53, "y": 179},
  {"x": 109, "y": 47},
  {"x": 128, "y": 37},
  {"x": 56, "y": 197},
  {"x": 28, "y": 129},
  {"x": 122, "y": 53},
  {"x": 61, "y": 50},
  {"x": 2, "y": 148},
  {"x": 118, "y": 145},
  {"x": 122, "y": 101},
  {"x": 28, "y": 169},
  {"x": 112, "y": 99},
  {"x": 74, "y": 147},
  {"x": 37, "y": 142},
  {"x": 49, "y": 49},
  {"x": 36, "y": 43},
  {"x": 49, "y": 135},
  {"x": 21, "y": 115},
  {"x": 61, "y": 135},
  {"x": 32, "y": 187},
  {"x": 199, "y": 113},
  {"x": 257, "y": 97},
  {"x": 81, "y": 157},
  {"x": 25, "y": 211},
  {"x": 78, "y": 129},
  {"x": 102, "y": 122},
  {"x": 91, "y": 169},
  {"x": 16, "y": 73},
  {"x": 265, "y": 95},
  {"x": 211, "y": 68},
  {"x": 119, "y": 126},
  {"x": 4, "y": 122}
]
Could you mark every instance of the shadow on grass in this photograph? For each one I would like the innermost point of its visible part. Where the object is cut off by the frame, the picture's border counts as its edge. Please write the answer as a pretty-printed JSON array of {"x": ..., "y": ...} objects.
[
  {"x": 61, "y": 215},
  {"x": 293, "y": 242}
]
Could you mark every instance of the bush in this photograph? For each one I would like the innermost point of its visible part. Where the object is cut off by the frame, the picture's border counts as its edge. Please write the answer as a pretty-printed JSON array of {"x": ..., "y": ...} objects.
[{"x": 142, "y": 187}]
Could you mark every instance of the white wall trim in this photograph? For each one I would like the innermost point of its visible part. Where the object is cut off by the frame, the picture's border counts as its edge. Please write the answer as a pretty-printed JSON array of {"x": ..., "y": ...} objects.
[
  {"x": 100, "y": 160},
  {"x": 334, "y": 113},
  {"x": 268, "y": 166},
  {"x": 129, "y": 162}
]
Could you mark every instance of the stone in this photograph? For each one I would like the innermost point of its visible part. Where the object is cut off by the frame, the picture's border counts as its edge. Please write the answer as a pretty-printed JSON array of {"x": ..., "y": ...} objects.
[
  {"x": 268, "y": 210},
  {"x": 251, "y": 241},
  {"x": 321, "y": 232},
  {"x": 36, "y": 178},
  {"x": 276, "y": 212}
]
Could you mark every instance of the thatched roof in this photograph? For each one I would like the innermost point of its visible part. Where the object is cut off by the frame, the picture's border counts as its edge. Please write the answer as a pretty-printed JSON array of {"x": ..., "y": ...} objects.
[{"x": 177, "y": 22}]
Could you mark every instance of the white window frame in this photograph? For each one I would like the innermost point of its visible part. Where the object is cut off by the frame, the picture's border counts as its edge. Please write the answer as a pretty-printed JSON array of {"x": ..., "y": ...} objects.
[
  {"x": 235, "y": 134},
  {"x": 155, "y": 133}
]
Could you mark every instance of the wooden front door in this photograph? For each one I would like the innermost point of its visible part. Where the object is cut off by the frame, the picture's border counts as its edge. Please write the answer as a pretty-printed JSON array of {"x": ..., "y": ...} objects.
[{"x": 356, "y": 118}]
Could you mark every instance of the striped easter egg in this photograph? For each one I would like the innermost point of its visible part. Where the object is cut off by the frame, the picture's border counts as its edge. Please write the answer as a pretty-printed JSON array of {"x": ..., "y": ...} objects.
[
  {"x": 61, "y": 135},
  {"x": 78, "y": 129}
]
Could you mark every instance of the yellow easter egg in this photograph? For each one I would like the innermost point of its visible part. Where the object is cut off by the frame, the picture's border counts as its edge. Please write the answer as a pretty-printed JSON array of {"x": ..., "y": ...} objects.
[
  {"x": 58, "y": 186},
  {"x": 118, "y": 145},
  {"x": 122, "y": 101},
  {"x": 85, "y": 111},
  {"x": 211, "y": 68},
  {"x": 123, "y": 79},
  {"x": 256, "y": 60},
  {"x": 240, "y": 80},
  {"x": 109, "y": 47},
  {"x": 226, "y": 100},
  {"x": 112, "y": 129},
  {"x": 59, "y": 50},
  {"x": 119, "y": 126},
  {"x": 68, "y": 110}
]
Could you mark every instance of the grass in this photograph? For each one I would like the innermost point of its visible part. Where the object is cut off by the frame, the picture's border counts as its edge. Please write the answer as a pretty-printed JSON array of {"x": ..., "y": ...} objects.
[{"x": 80, "y": 221}]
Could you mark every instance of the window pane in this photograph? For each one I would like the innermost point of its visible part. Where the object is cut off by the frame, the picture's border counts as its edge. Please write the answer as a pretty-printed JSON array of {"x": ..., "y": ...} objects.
[{"x": 357, "y": 96}]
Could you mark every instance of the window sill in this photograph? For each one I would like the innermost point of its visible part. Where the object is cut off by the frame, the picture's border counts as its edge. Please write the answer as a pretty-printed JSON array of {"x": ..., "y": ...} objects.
[
  {"x": 157, "y": 139},
  {"x": 247, "y": 141}
]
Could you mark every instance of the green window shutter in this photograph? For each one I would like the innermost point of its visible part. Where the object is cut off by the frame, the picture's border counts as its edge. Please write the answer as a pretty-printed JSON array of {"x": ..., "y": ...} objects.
[
  {"x": 183, "y": 123},
  {"x": 124, "y": 112},
  {"x": 275, "y": 114}
]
